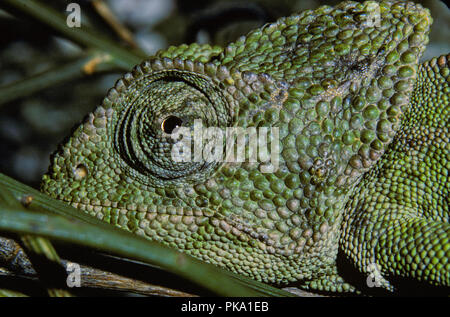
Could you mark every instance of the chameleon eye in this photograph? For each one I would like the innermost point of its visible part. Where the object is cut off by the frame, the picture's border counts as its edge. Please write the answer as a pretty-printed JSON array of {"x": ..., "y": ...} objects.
[
  {"x": 171, "y": 123},
  {"x": 168, "y": 100}
]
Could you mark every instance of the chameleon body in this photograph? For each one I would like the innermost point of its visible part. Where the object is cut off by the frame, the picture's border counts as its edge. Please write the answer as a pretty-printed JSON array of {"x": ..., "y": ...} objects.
[{"x": 343, "y": 85}]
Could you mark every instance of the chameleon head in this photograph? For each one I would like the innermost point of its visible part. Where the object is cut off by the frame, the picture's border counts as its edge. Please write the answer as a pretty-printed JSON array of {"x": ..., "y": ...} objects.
[{"x": 334, "y": 81}]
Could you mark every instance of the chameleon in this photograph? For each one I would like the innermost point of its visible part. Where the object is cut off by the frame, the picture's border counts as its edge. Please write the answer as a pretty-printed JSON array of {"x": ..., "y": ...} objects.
[{"x": 362, "y": 177}]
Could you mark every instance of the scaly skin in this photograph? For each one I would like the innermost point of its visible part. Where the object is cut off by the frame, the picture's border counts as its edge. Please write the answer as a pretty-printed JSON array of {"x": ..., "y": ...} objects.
[
  {"x": 401, "y": 206},
  {"x": 335, "y": 83}
]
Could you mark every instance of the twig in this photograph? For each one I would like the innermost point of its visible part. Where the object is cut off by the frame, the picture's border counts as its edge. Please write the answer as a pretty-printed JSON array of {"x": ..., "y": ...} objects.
[
  {"x": 105, "y": 12},
  {"x": 44, "y": 221},
  {"x": 84, "y": 66},
  {"x": 44, "y": 256},
  {"x": 18, "y": 265},
  {"x": 42, "y": 249}
]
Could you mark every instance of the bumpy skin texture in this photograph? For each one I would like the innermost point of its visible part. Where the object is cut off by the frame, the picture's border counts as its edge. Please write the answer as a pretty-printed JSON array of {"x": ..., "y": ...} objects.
[
  {"x": 398, "y": 218},
  {"x": 334, "y": 81}
]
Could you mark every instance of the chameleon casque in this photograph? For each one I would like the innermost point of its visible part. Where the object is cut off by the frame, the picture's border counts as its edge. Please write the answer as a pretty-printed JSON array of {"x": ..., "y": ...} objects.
[{"x": 363, "y": 151}]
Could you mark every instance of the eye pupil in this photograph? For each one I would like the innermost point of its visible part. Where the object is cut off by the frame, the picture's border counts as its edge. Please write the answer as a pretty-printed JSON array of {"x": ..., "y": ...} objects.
[{"x": 170, "y": 123}]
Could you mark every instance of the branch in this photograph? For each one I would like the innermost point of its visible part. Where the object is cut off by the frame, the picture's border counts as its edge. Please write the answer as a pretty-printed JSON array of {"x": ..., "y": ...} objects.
[
  {"x": 84, "y": 66},
  {"x": 56, "y": 221},
  {"x": 108, "y": 16},
  {"x": 19, "y": 266}
]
